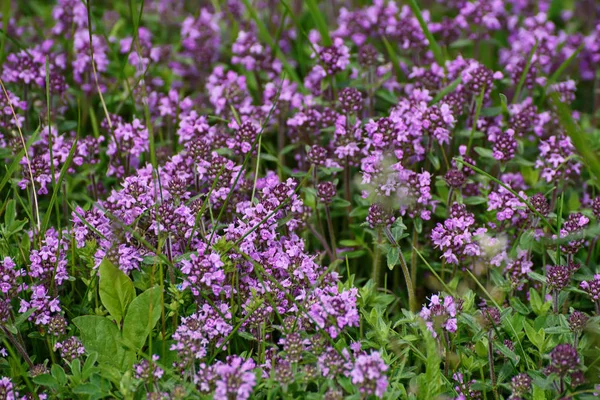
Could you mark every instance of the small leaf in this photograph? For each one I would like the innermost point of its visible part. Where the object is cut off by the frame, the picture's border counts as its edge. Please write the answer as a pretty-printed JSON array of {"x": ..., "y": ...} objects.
[
  {"x": 87, "y": 388},
  {"x": 537, "y": 305},
  {"x": 518, "y": 305},
  {"x": 393, "y": 257},
  {"x": 504, "y": 103},
  {"x": 46, "y": 380},
  {"x": 116, "y": 289},
  {"x": 537, "y": 277},
  {"x": 534, "y": 337},
  {"x": 88, "y": 366},
  {"x": 143, "y": 314},
  {"x": 475, "y": 200},
  {"x": 10, "y": 213},
  {"x": 59, "y": 373},
  {"x": 538, "y": 393},
  {"x": 483, "y": 152},
  {"x": 435, "y": 161}
]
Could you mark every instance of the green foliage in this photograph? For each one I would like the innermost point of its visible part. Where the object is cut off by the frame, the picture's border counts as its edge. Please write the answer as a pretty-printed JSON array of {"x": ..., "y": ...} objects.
[
  {"x": 142, "y": 315},
  {"x": 116, "y": 290}
]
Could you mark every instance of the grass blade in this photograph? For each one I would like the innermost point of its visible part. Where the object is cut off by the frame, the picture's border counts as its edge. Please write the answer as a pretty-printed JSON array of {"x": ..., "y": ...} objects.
[
  {"x": 433, "y": 45},
  {"x": 479, "y": 103},
  {"x": 268, "y": 38},
  {"x": 525, "y": 72},
  {"x": 393, "y": 58},
  {"x": 580, "y": 141},
  {"x": 317, "y": 16},
  {"x": 445, "y": 91}
]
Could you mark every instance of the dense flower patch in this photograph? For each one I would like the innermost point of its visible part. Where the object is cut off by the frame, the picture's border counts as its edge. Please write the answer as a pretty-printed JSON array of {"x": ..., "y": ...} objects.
[{"x": 299, "y": 199}]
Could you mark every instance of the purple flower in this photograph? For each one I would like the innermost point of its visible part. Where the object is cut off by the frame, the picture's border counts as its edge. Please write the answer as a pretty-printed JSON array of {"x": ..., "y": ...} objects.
[
  {"x": 441, "y": 313},
  {"x": 235, "y": 378},
  {"x": 44, "y": 305},
  {"x": 144, "y": 370},
  {"x": 592, "y": 288},
  {"x": 9, "y": 277},
  {"x": 203, "y": 272},
  {"x": 368, "y": 373},
  {"x": 7, "y": 389},
  {"x": 70, "y": 349},
  {"x": 556, "y": 159},
  {"x": 563, "y": 359},
  {"x": 333, "y": 311}
]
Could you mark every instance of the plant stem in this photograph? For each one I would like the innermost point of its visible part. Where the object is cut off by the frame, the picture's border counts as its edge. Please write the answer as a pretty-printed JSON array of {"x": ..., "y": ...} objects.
[
  {"x": 18, "y": 346},
  {"x": 322, "y": 240},
  {"x": 409, "y": 284},
  {"x": 491, "y": 362},
  {"x": 331, "y": 232},
  {"x": 347, "y": 187},
  {"x": 447, "y": 362},
  {"x": 413, "y": 257},
  {"x": 376, "y": 261}
]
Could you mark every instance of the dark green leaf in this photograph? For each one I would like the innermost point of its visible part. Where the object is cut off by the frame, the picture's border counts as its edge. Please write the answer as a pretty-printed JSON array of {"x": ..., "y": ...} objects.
[
  {"x": 143, "y": 314},
  {"x": 393, "y": 257},
  {"x": 317, "y": 17},
  {"x": 59, "y": 373},
  {"x": 46, "y": 380},
  {"x": 518, "y": 305},
  {"x": 102, "y": 336},
  {"x": 116, "y": 289}
]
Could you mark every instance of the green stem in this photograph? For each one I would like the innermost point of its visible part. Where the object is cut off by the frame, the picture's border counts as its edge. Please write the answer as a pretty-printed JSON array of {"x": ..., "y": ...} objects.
[
  {"x": 331, "y": 231},
  {"x": 409, "y": 283},
  {"x": 413, "y": 257},
  {"x": 491, "y": 362},
  {"x": 376, "y": 260}
]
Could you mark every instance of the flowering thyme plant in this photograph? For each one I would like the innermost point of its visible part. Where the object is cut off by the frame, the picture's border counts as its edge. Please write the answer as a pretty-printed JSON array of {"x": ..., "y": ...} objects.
[{"x": 299, "y": 199}]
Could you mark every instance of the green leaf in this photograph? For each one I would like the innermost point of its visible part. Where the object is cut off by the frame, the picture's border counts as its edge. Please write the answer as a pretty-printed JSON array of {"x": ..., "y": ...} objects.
[
  {"x": 101, "y": 335},
  {"x": 430, "y": 382},
  {"x": 504, "y": 103},
  {"x": 10, "y": 212},
  {"x": 508, "y": 353},
  {"x": 46, "y": 380},
  {"x": 474, "y": 200},
  {"x": 59, "y": 373},
  {"x": 537, "y": 305},
  {"x": 483, "y": 152},
  {"x": 87, "y": 388},
  {"x": 393, "y": 257},
  {"x": 143, "y": 314},
  {"x": 536, "y": 338},
  {"x": 538, "y": 393},
  {"x": 340, "y": 203},
  {"x": 518, "y": 305},
  {"x": 88, "y": 366},
  {"x": 116, "y": 289},
  {"x": 537, "y": 277},
  {"x": 445, "y": 91},
  {"x": 435, "y": 160}
]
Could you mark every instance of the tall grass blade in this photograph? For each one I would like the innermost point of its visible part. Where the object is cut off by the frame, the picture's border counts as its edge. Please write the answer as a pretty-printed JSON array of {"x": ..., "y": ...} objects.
[
  {"x": 580, "y": 141},
  {"x": 433, "y": 45}
]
